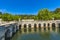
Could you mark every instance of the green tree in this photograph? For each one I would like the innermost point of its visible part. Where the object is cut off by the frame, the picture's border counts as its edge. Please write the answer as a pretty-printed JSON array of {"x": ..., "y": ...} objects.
[
  {"x": 7, "y": 17},
  {"x": 57, "y": 10},
  {"x": 44, "y": 14}
]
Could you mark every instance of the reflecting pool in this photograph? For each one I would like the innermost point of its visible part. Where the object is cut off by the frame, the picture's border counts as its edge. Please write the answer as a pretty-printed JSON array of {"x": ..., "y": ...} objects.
[{"x": 38, "y": 34}]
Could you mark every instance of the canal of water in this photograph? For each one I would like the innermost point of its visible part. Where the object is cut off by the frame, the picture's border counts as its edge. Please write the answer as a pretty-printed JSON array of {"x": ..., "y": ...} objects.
[{"x": 37, "y": 34}]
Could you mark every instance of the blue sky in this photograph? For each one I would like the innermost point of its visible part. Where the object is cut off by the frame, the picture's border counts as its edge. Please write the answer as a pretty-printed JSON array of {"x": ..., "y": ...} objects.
[{"x": 27, "y": 6}]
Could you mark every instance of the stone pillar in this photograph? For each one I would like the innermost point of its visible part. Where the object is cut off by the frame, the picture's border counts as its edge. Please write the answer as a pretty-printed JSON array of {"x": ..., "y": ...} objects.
[
  {"x": 22, "y": 26},
  {"x": 37, "y": 25},
  {"x": 46, "y": 27},
  {"x": 27, "y": 26},
  {"x": 32, "y": 26},
  {"x": 50, "y": 25},
  {"x": 42, "y": 25},
  {"x": 56, "y": 24}
]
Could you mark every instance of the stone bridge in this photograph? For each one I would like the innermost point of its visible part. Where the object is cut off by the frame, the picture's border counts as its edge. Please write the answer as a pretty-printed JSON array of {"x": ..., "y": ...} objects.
[
  {"x": 38, "y": 24},
  {"x": 7, "y": 30}
]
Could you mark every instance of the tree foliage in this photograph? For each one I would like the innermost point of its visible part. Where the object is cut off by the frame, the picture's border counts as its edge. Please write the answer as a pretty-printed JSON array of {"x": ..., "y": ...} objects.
[{"x": 43, "y": 14}]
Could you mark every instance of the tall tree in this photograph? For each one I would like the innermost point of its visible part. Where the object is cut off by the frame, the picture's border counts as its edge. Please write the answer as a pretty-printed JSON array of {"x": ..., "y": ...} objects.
[
  {"x": 44, "y": 14},
  {"x": 57, "y": 10}
]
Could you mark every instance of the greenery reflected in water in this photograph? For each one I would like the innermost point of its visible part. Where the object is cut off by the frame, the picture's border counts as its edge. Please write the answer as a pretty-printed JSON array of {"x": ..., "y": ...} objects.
[{"x": 37, "y": 34}]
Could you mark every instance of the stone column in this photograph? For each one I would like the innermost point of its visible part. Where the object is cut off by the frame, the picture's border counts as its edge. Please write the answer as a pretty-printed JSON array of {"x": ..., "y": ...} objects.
[
  {"x": 32, "y": 26},
  {"x": 46, "y": 26},
  {"x": 50, "y": 25},
  {"x": 27, "y": 26},
  {"x": 37, "y": 26},
  {"x": 22, "y": 26},
  {"x": 42, "y": 25},
  {"x": 56, "y": 24}
]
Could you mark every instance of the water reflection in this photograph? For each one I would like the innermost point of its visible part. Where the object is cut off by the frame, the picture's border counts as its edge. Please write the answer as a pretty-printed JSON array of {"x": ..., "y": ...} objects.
[{"x": 38, "y": 34}]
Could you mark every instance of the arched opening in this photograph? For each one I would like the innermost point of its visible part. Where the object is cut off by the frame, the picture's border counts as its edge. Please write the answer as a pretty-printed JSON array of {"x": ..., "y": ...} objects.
[
  {"x": 20, "y": 26},
  {"x": 53, "y": 25},
  {"x": 39, "y": 25},
  {"x": 44, "y": 26},
  {"x": 59, "y": 25},
  {"x": 7, "y": 35},
  {"x": 29, "y": 26},
  {"x": 25, "y": 26},
  {"x": 35, "y": 25},
  {"x": 48, "y": 24}
]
